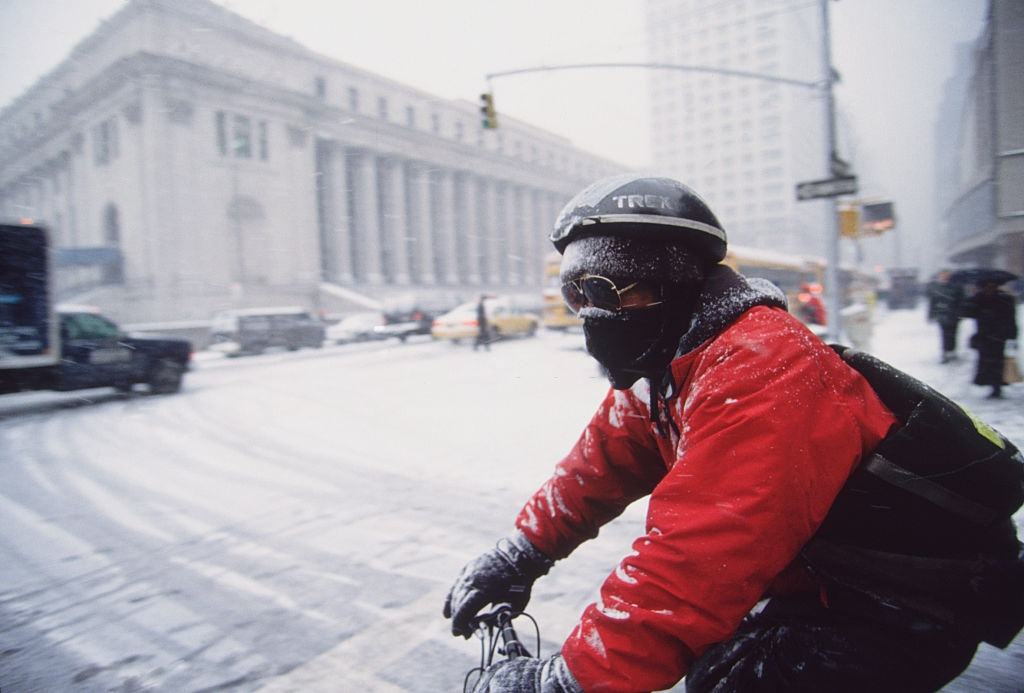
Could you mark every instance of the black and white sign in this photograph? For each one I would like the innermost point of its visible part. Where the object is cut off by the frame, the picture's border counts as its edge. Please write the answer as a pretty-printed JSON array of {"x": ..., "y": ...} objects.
[{"x": 831, "y": 187}]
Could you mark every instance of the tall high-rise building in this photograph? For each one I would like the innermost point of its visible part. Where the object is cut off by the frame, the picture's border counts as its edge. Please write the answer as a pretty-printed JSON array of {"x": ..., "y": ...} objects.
[{"x": 742, "y": 143}]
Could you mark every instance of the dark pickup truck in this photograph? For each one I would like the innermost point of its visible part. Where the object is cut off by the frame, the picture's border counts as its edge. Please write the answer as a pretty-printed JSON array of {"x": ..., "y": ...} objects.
[{"x": 94, "y": 352}]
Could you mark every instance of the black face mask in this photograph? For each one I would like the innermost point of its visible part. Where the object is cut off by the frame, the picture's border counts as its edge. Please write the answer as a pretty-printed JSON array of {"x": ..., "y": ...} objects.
[{"x": 633, "y": 344}]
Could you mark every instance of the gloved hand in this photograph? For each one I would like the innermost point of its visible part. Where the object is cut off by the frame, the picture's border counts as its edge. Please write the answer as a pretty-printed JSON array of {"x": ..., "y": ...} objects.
[
  {"x": 528, "y": 675},
  {"x": 506, "y": 573}
]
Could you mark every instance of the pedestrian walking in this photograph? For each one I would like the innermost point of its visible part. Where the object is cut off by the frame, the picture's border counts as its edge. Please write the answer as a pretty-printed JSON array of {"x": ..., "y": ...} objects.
[
  {"x": 747, "y": 433},
  {"x": 483, "y": 334},
  {"x": 945, "y": 307},
  {"x": 994, "y": 313}
]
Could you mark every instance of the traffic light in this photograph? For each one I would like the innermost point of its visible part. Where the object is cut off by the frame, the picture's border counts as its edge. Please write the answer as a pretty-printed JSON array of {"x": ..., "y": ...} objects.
[
  {"x": 488, "y": 116},
  {"x": 849, "y": 222},
  {"x": 877, "y": 217}
]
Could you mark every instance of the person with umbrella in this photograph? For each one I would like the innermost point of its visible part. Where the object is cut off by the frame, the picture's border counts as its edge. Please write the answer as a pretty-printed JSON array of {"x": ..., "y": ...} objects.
[
  {"x": 945, "y": 302},
  {"x": 994, "y": 313}
]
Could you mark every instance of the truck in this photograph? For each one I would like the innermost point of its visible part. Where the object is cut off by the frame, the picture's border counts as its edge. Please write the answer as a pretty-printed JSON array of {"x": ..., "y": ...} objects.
[{"x": 44, "y": 346}]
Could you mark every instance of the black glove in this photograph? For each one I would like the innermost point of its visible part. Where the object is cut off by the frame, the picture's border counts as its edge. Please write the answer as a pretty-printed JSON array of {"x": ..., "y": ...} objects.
[
  {"x": 506, "y": 573},
  {"x": 528, "y": 675}
]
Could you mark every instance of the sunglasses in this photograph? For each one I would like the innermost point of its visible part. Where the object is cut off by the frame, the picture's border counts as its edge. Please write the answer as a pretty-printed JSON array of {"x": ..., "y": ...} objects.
[{"x": 601, "y": 292}]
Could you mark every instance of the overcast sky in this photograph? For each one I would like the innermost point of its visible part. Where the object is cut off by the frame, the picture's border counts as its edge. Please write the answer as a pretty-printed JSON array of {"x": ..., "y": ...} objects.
[{"x": 894, "y": 56}]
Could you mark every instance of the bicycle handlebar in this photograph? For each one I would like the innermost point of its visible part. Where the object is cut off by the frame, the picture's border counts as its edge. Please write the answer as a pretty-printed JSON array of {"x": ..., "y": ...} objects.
[
  {"x": 500, "y": 619},
  {"x": 484, "y": 625}
]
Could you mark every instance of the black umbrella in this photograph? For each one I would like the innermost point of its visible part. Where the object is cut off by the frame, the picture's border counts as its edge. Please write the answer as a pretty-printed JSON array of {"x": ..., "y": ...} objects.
[{"x": 981, "y": 275}]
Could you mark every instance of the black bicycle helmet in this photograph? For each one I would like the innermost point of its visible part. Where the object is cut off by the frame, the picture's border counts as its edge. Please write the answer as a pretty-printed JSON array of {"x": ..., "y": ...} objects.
[{"x": 638, "y": 206}]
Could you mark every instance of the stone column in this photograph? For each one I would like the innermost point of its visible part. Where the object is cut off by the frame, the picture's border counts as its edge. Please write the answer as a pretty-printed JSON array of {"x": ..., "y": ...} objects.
[
  {"x": 528, "y": 235},
  {"x": 420, "y": 225},
  {"x": 444, "y": 225},
  {"x": 336, "y": 214},
  {"x": 545, "y": 223},
  {"x": 470, "y": 231},
  {"x": 512, "y": 234},
  {"x": 394, "y": 224},
  {"x": 490, "y": 265},
  {"x": 367, "y": 218}
]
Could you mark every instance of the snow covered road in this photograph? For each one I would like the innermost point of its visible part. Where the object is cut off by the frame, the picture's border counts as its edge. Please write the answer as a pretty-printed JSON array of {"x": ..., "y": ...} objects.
[{"x": 292, "y": 521}]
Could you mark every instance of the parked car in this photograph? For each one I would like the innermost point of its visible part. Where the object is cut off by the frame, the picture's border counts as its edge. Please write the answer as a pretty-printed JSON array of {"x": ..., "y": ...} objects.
[
  {"x": 404, "y": 324},
  {"x": 254, "y": 330},
  {"x": 359, "y": 327},
  {"x": 505, "y": 319}
]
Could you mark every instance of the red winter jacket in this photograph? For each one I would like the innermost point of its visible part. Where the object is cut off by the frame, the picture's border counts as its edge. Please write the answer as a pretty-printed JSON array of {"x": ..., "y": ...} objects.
[{"x": 770, "y": 423}]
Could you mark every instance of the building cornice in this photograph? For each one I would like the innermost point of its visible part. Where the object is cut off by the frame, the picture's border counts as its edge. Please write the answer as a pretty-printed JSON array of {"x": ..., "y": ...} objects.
[
  {"x": 209, "y": 15},
  {"x": 319, "y": 119}
]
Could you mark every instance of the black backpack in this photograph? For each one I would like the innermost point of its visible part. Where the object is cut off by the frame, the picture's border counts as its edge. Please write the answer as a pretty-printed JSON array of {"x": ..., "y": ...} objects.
[{"x": 925, "y": 522}]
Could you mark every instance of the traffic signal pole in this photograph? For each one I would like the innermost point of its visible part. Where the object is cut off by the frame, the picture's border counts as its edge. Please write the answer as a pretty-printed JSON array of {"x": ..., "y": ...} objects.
[
  {"x": 837, "y": 169},
  {"x": 834, "y": 302}
]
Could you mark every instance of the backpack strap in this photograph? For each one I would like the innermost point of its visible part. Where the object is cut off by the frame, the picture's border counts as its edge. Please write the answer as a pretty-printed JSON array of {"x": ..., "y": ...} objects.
[
  {"x": 892, "y": 473},
  {"x": 940, "y": 452}
]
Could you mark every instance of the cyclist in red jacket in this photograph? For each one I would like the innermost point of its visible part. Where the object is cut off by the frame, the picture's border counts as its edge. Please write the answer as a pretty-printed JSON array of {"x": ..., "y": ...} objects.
[{"x": 742, "y": 427}]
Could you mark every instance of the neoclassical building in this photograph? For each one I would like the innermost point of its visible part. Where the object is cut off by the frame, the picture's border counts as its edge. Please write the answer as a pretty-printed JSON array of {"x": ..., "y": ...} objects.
[{"x": 188, "y": 160}]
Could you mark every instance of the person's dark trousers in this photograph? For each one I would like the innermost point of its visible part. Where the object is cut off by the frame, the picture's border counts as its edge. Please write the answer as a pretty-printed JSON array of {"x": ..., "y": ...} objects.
[
  {"x": 989, "y": 370},
  {"x": 948, "y": 338},
  {"x": 482, "y": 340},
  {"x": 796, "y": 644}
]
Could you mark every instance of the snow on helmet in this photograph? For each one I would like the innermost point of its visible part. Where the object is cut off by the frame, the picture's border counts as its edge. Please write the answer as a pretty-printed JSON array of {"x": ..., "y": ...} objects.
[{"x": 639, "y": 206}]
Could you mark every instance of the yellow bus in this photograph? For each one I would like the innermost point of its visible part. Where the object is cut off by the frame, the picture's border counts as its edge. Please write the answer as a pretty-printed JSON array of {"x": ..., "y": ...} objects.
[
  {"x": 801, "y": 278},
  {"x": 555, "y": 315}
]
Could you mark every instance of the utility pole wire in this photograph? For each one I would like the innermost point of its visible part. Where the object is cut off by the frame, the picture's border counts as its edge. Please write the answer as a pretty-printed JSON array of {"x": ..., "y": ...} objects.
[
  {"x": 824, "y": 86},
  {"x": 660, "y": 66}
]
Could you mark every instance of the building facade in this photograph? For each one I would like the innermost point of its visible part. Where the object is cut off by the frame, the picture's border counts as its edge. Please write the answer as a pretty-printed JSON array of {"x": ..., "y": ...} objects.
[
  {"x": 188, "y": 160},
  {"x": 742, "y": 143},
  {"x": 982, "y": 196}
]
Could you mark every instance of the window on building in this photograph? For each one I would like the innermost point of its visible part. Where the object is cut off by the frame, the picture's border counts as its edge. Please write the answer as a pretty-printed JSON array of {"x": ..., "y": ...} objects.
[
  {"x": 106, "y": 146},
  {"x": 261, "y": 137},
  {"x": 222, "y": 133},
  {"x": 435, "y": 123},
  {"x": 353, "y": 99},
  {"x": 320, "y": 87},
  {"x": 382, "y": 108},
  {"x": 410, "y": 116},
  {"x": 460, "y": 130},
  {"x": 242, "y": 137}
]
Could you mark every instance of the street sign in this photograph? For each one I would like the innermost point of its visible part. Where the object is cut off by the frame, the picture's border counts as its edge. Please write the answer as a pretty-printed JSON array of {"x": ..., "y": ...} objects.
[
  {"x": 831, "y": 187},
  {"x": 877, "y": 217}
]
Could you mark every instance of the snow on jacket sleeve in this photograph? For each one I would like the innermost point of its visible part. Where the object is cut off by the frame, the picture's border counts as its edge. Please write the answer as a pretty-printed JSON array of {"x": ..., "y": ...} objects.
[
  {"x": 614, "y": 462},
  {"x": 772, "y": 422}
]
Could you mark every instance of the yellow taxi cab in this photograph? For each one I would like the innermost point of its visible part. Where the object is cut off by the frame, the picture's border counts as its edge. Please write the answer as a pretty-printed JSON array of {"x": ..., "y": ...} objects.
[{"x": 504, "y": 318}]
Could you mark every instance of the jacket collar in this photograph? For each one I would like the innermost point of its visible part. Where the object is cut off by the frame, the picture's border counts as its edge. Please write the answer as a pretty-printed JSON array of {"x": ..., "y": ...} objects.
[{"x": 724, "y": 297}]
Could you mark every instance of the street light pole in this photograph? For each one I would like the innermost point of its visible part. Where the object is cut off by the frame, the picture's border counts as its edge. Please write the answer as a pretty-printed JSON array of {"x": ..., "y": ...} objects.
[
  {"x": 834, "y": 300},
  {"x": 834, "y": 166}
]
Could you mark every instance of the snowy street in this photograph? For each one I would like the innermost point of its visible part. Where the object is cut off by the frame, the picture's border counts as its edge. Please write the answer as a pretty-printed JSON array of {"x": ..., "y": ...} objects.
[{"x": 293, "y": 521}]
